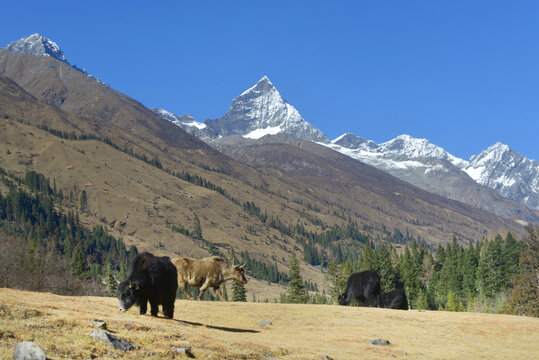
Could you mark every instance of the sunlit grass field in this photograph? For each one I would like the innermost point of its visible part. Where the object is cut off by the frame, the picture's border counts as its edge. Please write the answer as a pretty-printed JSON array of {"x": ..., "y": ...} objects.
[{"x": 61, "y": 326}]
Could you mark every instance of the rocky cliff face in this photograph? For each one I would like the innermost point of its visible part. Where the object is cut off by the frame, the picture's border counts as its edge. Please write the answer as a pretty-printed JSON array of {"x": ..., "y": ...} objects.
[
  {"x": 261, "y": 111},
  {"x": 509, "y": 173}
]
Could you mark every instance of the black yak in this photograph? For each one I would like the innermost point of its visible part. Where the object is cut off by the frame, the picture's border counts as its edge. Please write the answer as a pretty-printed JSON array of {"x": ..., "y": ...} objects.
[
  {"x": 395, "y": 299},
  {"x": 151, "y": 278},
  {"x": 364, "y": 287}
]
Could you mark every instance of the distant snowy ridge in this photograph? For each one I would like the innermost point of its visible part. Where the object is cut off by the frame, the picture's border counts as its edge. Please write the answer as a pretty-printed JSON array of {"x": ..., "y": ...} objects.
[
  {"x": 38, "y": 45},
  {"x": 188, "y": 123},
  {"x": 401, "y": 152},
  {"x": 512, "y": 175},
  {"x": 261, "y": 110},
  {"x": 509, "y": 173}
]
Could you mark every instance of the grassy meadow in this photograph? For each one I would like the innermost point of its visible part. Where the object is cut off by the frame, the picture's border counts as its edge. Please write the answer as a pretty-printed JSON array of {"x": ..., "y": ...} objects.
[{"x": 61, "y": 326}]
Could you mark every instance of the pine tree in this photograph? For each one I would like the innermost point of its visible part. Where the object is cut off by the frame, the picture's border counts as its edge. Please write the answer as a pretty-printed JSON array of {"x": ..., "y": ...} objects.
[
  {"x": 490, "y": 277},
  {"x": 524, "y": 299},
  {"x": 238, "y": 292},
  {"x": 510, "y": 254},
  {"x": 469, "y": 269},
  {"x": 332, "y": 277},
  {"x": 369, "y": 260},
  {"x": 83, "y": 201},
  {"x": 410, "y": 275},
  {"x": 421, "y": 301},
  {"x": 111, "y": 281},
  {"x": 296, "y": 293},
  {"x": 197, "y": 230},
  {"x": 453, "y": 303},
  {"x": 79, "y": 267},
  {"x": 388, "y": 277}
]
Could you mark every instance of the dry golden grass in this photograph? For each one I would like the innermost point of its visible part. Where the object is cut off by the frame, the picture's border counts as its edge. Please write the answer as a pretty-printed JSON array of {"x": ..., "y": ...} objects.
[{"x": 60, "y": 325}]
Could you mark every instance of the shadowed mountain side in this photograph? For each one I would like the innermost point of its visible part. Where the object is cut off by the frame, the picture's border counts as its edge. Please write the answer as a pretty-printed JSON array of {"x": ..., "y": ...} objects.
[{"x": 356, "y": 183}]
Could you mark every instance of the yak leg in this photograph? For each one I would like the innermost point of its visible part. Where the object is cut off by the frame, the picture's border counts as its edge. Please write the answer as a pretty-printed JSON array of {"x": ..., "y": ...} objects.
[
  {"x": 203, "y": 288},
  {"x": 143, "y": 306},
  {"x": 217, "y": 290},
  {"x": 154, "y": 307},
  {"x": 183, "y": 286}
]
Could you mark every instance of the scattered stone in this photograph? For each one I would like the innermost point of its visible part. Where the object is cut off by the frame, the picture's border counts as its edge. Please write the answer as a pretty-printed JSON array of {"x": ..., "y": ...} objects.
[
  {"x": 325, "y": 357},
  {"x": 382, "y": 342},
  {"x": 264, "y": 323},
  {"x": 112, "y": 355},
  {"x": 27, "y": 350},
  {"x": 99, "y": 324},
  {"x": 184, "y": 350},
  {"x": 117, "y": 343}
]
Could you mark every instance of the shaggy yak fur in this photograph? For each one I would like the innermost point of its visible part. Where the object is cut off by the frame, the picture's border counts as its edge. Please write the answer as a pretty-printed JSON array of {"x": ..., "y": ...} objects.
[
  {"x": 151, "y": 278},
  {"x": 206, "y": 273},
  {"x": 364, "y": 287}
]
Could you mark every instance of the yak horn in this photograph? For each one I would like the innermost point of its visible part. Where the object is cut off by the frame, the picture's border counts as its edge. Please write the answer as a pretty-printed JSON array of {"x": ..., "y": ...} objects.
[{"x": 245, "y": 263}]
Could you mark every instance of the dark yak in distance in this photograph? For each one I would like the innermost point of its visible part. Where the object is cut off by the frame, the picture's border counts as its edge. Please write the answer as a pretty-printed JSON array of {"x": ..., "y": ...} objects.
[
  {"x": 364, "y": 287},
  {"x": 151, "y": 278},
  {"x": 395, "y": 299}
]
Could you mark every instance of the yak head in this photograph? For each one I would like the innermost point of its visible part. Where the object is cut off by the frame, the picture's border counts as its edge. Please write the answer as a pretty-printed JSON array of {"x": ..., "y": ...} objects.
[
  {"x": 128, "y": 294},
  {"x": 342, "y": 299},
  {"x": 238, "y": 274}
]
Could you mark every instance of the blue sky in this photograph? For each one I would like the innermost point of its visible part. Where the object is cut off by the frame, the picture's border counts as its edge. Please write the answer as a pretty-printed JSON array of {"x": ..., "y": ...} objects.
[{"x": 463, "y": 74}]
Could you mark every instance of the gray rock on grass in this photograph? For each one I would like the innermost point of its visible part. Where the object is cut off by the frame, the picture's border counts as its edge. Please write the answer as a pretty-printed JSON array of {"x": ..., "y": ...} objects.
[
  {"x": 382, "y": 342},
  {"x": 27, "y": 350},
  {"x": 117, "y": 343}
]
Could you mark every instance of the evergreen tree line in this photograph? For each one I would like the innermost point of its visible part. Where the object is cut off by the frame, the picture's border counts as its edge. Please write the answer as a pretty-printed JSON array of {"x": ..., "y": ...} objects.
[
  {"x": 478, "y": 277},
  {"x": 31, "y": 218}
]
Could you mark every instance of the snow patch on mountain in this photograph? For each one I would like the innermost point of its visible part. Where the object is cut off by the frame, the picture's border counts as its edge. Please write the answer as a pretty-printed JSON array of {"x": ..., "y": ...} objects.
[
  {"x": 404, "y": 151},
  {"x": 258, "y": 133}
]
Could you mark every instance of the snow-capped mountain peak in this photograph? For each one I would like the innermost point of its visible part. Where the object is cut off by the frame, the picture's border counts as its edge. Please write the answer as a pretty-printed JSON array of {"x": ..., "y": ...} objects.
[
  {"x": 263, "y": 84},
  {"x": 511, "y": 174},
  {"x": 36, "y": 44},
  {"x": 260, "y": 111}
]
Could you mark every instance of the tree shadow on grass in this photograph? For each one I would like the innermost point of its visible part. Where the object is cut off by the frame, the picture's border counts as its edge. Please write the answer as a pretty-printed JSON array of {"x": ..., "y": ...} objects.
[{"x": 222, "y": 328}]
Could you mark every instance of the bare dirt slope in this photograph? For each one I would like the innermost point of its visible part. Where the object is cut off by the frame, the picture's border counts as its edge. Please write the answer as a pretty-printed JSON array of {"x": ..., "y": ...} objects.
[{"x": 61, "y": 326}]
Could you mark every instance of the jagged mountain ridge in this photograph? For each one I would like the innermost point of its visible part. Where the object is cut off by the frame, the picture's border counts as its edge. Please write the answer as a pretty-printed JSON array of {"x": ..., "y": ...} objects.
[
  {"x": 509, "y": 173},
  {"x": 432, "y": 168},
  {"x": 260, "y": 111},
  {"x": 39, "y": 45}
]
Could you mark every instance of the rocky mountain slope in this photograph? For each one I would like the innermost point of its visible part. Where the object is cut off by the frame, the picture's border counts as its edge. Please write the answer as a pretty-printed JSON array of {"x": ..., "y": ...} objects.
[
  {"x": 36, "y": 44},
  {"x": 509, "y": 173},
  {"x": 430, "y": 167},
  {"x": 261, "y": 111},
  {"x": 258, "y": 111},
  {"x": 146, "y": 178}
]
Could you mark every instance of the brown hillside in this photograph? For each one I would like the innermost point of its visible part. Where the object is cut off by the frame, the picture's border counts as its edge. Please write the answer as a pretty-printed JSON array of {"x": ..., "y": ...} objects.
[
  {"x": 138, "y": 201},
  {"x": 61, "y": 325}
]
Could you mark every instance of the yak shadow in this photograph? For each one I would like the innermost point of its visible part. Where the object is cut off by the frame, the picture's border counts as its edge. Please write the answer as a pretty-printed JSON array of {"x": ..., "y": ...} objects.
[{"x": 222, "y": 328}]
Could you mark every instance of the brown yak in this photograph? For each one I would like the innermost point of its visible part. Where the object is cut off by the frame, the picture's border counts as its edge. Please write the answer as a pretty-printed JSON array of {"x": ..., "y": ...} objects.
[{"x": 206, "y": 273}]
